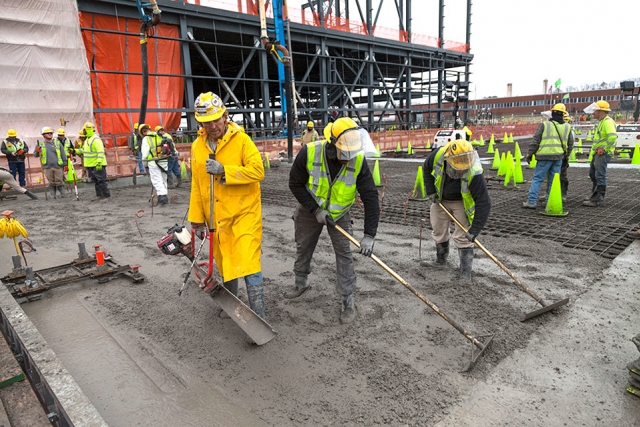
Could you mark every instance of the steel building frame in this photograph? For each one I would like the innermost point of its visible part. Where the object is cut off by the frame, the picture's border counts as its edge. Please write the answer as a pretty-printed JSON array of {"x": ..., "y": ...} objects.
[{"x": 373, "y": 79}]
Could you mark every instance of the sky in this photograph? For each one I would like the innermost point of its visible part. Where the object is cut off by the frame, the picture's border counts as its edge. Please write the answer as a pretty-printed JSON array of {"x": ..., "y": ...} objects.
[{"x": 524, "y": 42}]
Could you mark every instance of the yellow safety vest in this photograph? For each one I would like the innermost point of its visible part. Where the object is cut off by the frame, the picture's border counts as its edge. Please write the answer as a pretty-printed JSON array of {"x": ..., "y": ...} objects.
[{"x": 43, "y": 153}]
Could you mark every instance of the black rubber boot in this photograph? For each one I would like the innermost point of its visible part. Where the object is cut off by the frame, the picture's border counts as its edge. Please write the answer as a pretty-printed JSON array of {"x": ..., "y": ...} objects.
[
  {"x": 169, "y": 179},
  {"x": 255, "y": 294},
  {"x": 231, "y": 286},
  {"x": 163, "y": 200},
  {"x": 302, "y": 285},
  {"x": 348, "y": 314},
  {"x": 593, "y": 192},
  {"x": 52, "y": 192},
  {"x": 598, "y": 197},
  {"x": 466, "y": 262},
  {"x": 564, "y": 188},
  {"x": 30, "y": 194},
  {"x": 442, "y": 253},
  {"x": 179, "y": 179},
  {"x": 60, "y": 189}
]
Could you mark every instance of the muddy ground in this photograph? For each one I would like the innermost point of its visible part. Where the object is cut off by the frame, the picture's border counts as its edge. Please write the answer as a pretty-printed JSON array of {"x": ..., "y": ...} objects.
[{"x": 399, "y": 364}]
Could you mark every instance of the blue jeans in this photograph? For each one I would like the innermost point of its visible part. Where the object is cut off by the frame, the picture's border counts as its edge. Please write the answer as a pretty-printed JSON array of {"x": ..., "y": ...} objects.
[
  {"x": 174, "y": 166},
  {"x": 543, "y": 167},
  {"x": 253, "y": 279},
  {"x": 141, "y": 167},
  {"x": 18, "y": 168},
  {"x": 598, "y": 169}
]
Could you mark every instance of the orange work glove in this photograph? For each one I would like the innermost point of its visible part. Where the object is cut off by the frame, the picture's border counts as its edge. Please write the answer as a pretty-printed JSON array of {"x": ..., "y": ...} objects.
[{"x": 600, "y": 151}]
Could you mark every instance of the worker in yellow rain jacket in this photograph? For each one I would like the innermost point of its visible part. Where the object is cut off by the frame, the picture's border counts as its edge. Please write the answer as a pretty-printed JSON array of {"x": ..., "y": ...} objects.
[
  {"x": 237, "y": 212},
  {"x": 95, "y": 161}
]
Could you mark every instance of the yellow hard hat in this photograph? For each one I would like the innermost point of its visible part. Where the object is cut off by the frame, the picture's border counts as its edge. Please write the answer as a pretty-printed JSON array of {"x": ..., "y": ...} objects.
[
  {"x": 11, "y": 133},
  {"x": 81, "y": 132},
  {"x": 310, "y": 124},
  {"x": 346, "y": 136},
  {"x": 560, "y": 107},
  {"x": 459, "y": 154},
  {"x": 209, "y": 107},
  {"x": 603, "y": 105},
  {"x": 61, "y": 131},
  {"x": 327, "y": 132},
  {"x": 89, "y": 125},
  {"x": 566, "y": 117},
  {"x": 142, "y": 127},
  {"x": 157, "y": 128},
  {"x": 46, "y": 129},
  {"x": 135, "y": 126}
]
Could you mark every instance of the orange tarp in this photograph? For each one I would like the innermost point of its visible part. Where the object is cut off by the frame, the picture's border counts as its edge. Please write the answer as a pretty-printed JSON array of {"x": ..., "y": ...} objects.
[{"x": 117, "y": 52}]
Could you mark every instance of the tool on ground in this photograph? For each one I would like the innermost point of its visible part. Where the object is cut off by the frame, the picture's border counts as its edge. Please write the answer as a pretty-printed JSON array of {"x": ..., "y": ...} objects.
[
  {"x": 75, "y": 183},
  {"x": 475, "y": 341},
  {"x": 545, "y": 308}
]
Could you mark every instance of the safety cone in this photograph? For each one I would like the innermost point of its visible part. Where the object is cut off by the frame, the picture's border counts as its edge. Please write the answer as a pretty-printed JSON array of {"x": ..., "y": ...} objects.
[
  {"x": 183, "y": 171},
  {"x": 502, "y": 170},
  {"x": 518, "y": 176},
  {"x": 267, "y": 164},
  {"x": 496, "y": 160},
  {"x": 490, "y": 149},
  {"x": 510, "y": 137},
  {"x": 377, "y": 154},
  {"x": 398, "y": 148},
  {"x": 533, "y": 162},
  {"x": 508, "y": 176},
  {"x": 481, "y": 141},
  {"x": 505, "y": 139},
  {"x": 419, "y": 184},
  {"x": 516, "y": 152},
  {"x": 428, "y": 144},
  {"x": 579, "y": 147},
  {"x": 376, "y": 174},
  {"x": 588, "y": 136},
  {"x": 636, "y": 156},
  {"x": 624, "y": 155},
  {"x": 409, "y": 149},
  {"x": 510, "y": 162},
  {"x": 492, "y": 140},
  {"x": 554, "y": 201},
  {"x": 572, "y": 156},
  {"x": 590, "y": 156}
]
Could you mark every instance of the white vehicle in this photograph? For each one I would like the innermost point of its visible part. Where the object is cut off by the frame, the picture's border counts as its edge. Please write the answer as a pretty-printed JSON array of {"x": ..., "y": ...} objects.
[
  {"x": 447, "y": 135},
  {"x": 628, "y": 137}
]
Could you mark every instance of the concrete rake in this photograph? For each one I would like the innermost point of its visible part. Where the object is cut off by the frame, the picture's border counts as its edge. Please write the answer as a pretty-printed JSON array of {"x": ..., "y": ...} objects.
[
  {"x": 476, "y": 351},
  {"x": 545, "y": 307}
]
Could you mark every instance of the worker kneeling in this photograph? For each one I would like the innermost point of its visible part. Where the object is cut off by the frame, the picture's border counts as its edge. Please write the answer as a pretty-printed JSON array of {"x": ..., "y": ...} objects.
[
  {"x": 324, "y": 178},
  {"x": 453, "y": 176}
]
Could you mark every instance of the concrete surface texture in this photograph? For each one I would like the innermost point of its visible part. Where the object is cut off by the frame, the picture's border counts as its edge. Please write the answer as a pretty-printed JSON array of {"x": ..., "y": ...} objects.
[{"x": 143, "y": 355}]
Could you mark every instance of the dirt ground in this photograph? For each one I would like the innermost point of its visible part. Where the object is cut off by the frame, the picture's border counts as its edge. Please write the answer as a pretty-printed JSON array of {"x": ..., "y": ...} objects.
[{"x": 399, "y": 364}]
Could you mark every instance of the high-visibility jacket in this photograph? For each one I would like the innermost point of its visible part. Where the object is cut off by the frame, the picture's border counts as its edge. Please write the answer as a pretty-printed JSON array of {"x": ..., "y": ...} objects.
[
  {"x": 237, "y": 209},
  {"x": 554, "y": 140},
  {"x": 605, "y": 135},
  {"x": 335, "y": 197},
  {"x": 43, "y": 153},
  {"x": 93, "y": 152},
  {"x": 438, "y": 173},
  {"x": 14, "y": 146},
  {"x": 155, "y": 145},
  {"x": 66, "y": 143}
]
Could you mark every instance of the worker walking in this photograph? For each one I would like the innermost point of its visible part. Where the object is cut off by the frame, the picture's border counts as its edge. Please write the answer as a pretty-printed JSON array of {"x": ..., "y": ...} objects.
[
  {"x": 95, "y": 161},
  {"x": 173, "y": 167},
  {"x": 237, "y": 211},
  {"x": 6, "y": 177},
  {"x": 324, "y": 179},
  {"x": 16, "y": 151},
  {"x": 453, "y": 177},
  {"x": 552, "y": 142},
  {"x": 54, "y": 161},
  {"x": 309, "y": 134},
  {"x": 155, "y": 154},
  {"x": 604, "y": 144}
]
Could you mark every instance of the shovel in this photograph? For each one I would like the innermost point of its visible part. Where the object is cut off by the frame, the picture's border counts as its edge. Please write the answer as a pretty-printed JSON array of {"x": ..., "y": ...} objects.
[
  {"x": 528, "y": 290},
  {"x": 253, "y": 325},
  {"x": 481, "y": 347}
]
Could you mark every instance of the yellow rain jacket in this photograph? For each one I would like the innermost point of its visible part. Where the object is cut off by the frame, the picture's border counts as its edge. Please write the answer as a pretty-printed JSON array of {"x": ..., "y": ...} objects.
[{"x": 237, "y": 206}]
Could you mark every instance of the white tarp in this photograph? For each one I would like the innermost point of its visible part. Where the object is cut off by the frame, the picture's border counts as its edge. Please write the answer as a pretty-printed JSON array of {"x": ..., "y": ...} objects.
[{"x": 43, "y": 68}]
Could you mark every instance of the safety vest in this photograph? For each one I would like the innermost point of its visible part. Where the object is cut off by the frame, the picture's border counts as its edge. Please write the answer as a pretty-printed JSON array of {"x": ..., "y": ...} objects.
[
  {"x": 13, "y": 147},
  {"x": 605, "y": 135},
  {"x": 93, "y": 152},
  {"x": 136, "y": 140},
  {"x": 552, "y": 142},
  {"x": 340, "y": 194},
  {"x": 306, "y": 132},
  {"x": 66, "y": 143},
  {"x": 155, "y": 145},
  {"x": 43, "y": 153},
  {"x": 467, "y": 200}
]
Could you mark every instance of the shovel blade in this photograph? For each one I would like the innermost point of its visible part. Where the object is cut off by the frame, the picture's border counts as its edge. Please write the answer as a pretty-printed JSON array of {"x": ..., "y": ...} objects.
[
  {"x": 544, "y": 309},
  {"x": 252, "y": 324}
]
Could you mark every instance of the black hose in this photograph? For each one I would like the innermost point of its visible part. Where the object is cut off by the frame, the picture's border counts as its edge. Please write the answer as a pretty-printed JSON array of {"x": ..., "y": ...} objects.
[{"x": 145, "y": 73}]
